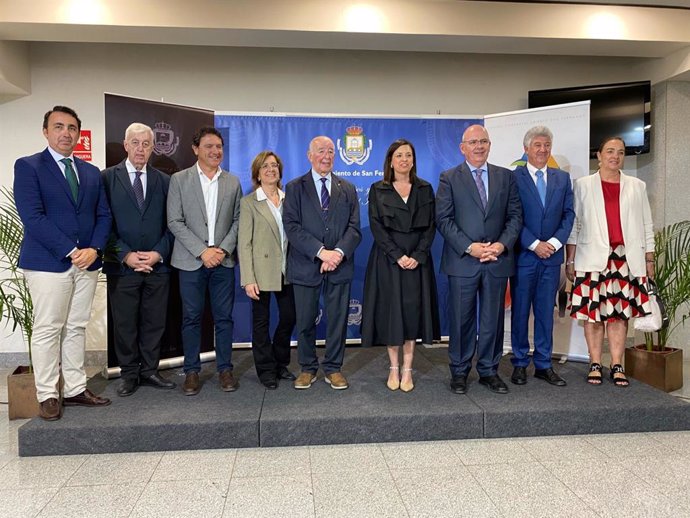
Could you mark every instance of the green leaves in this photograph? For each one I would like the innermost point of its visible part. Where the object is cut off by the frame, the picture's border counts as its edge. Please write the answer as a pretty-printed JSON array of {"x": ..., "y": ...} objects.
[
  {"x": 15, "y": 300},
  {"x": 672, "y": 277}
]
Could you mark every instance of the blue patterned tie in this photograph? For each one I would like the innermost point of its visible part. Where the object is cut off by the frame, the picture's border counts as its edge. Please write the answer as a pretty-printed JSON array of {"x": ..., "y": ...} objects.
[
  {"x": 541, "y": 186},
  {"x": 325, "y": 198},
  {"x": 71, "y": 178},
  {"x": 480, "y": 187},
  {"x": 138, "y": 189}
]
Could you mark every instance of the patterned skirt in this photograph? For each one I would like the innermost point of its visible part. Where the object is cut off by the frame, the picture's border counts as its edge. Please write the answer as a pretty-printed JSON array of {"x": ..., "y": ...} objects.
[{"x": 610, "y": 294}]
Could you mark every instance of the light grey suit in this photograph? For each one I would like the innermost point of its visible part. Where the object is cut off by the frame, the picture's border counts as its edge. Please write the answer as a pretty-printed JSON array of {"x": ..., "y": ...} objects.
[{"x": 187, "y": 218}]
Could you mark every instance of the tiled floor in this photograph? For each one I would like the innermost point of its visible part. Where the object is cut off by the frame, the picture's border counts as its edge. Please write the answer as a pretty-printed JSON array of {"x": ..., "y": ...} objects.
[{"x": 645, "y": 475}]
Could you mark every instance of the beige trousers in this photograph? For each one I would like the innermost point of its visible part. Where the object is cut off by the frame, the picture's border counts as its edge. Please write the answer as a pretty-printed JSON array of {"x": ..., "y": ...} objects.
[{"x": 62, "y": 307}]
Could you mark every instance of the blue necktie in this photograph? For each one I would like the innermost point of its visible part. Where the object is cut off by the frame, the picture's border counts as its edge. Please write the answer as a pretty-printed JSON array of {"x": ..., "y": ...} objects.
[
  {"x": 138, "y": 187},
  {"x": 480, "y": 187},
  {"x": 71, "y": 178},
  {"x": 541, "y": 186},
  {"x": 325, "y": 197}
]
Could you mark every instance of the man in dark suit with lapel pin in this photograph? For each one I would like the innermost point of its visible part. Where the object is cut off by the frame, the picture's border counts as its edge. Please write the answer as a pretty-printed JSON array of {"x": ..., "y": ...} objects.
[
  {"x": 478, "y": 214},
  {"x": 203, "y": 215},
  {"x": 547, "y": 212},
  {"x": 62, "y": 205},
  {"x": 137, "y": 261},
  {"x": 321, "y": 219}
]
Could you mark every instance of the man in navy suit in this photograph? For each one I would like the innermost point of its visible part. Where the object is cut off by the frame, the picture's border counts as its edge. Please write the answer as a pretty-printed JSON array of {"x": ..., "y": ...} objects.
[
  {"x": 62, "y": 204},
  {"x": 479, "y": 215},
  {"x": 137, "y": 261},
  {"x": 321, "y": 219},
  {"x": 547, "y": 212}
]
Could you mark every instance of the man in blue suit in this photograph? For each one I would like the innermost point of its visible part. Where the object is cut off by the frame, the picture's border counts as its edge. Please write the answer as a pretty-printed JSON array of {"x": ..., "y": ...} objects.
[
  {"x": 547, "y": 212},
  {"x": 62, "y": 204},
  {"x": 137, "y": 261},
  {"x": 478, "y": 214},
  {"x": 321, "y": 220}
]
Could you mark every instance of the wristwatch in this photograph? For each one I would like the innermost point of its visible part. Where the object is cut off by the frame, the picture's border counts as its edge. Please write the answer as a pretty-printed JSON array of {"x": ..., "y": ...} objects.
[{"x": 468, "y": 250}]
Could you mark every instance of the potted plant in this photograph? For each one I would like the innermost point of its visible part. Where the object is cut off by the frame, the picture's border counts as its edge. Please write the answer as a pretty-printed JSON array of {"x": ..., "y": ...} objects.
[
  {"x": 16, "y": 307},
  {"x": 654, "y": 362}
]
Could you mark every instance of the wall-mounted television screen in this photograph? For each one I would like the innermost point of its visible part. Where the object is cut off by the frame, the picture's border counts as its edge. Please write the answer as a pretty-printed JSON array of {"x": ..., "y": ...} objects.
[{"x": 621, "y": 109}]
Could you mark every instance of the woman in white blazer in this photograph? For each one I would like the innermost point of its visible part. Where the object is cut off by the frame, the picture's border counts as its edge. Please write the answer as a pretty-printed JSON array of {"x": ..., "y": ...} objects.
[
  {"x": 262, "y": 248},
  {"x": 609, "y": 255}
]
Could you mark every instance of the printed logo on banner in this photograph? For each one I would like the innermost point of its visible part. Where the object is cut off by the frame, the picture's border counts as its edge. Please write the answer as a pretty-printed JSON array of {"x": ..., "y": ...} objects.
[
  {"x": 165, "y": 142},
  {"x": 354, "y": 317},
  {"x": 83, "y": 148},
  {"x": 357, "y": 146}
]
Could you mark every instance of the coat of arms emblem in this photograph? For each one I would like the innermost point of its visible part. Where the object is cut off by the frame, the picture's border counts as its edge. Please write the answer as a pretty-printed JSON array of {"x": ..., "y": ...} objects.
[
  {"x": 165, "y": 142},
  {"x": 357, "y": 147}
]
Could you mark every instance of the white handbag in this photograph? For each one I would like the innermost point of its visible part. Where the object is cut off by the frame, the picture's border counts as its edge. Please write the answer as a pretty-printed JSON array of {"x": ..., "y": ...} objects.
[{"x": 657, "y": 318}]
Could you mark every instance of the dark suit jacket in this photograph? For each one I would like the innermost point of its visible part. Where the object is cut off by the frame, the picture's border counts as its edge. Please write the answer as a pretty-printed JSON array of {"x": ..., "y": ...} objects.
[
  {"x": 461, "y": 220},
  {"x": 307, "y": 231},
  {"x": 544, "y": 222},
  {"x": 53, "y": 223},
  {"x": 134, "y": 229}
]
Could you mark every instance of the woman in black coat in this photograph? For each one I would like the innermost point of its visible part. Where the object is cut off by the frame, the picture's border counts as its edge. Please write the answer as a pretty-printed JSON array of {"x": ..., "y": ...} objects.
[{"x": 400, "y": 300}]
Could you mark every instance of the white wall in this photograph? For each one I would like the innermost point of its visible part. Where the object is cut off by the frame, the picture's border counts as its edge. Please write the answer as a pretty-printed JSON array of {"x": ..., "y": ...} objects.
[{"x": 287, "y": 80}]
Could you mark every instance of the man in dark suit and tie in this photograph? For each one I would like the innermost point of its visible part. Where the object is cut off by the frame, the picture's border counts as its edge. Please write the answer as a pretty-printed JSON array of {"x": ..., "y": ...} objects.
[
  {"x": 62, "y": 204},
  {"x": 547, "y": 212},
  {"x": 137, "y": 261},
  {"x": 203, "y": 215},
  {"x": 479, "y": 215},
  {"x": 321, "y": 219}
]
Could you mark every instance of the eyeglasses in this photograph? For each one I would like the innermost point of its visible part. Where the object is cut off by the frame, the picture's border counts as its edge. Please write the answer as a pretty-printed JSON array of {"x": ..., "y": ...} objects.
[
  {"x": 272, "y": 165},
  {"x": 475, "y": 142}
]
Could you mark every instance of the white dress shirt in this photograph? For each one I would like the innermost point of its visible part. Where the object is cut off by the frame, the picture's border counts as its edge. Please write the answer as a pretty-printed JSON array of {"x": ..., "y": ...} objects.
[
  {"x": 209, "y": 187},
  {"x": 57, "y": 157}
]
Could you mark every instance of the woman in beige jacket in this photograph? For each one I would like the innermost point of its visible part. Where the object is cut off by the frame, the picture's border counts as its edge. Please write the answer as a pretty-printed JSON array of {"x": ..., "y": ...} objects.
[
  {"x": 262, "y": 248},
  {"x": 609, "y": 255}
]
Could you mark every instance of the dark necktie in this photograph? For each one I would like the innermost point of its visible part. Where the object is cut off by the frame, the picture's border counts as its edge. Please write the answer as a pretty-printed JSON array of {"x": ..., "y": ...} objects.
[
  {"x": 71, "y": 177},
  {"x": 541, "y": 186},
  {"x": 138, "y": 189},
  {"x": 325, "y": 198},
  {"x": 480, "y": 187}
]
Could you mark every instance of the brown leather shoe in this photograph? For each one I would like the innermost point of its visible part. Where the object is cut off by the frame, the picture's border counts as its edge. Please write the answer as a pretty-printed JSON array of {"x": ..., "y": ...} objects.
[
  {"x": 86, "y": 398},
  {"x": 191, "y": 385},
  {"x": 49, "y": 409},
  {"x": 304, "y": 380},
  {"x": 228, "y": 383},
  {"x": 336, "y": 380}
]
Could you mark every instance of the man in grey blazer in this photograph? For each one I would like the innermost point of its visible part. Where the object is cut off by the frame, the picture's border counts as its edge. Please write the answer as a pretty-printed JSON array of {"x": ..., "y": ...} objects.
[
  {"x": 479, "y": 215},
  {"x": 203, "y": 215}
]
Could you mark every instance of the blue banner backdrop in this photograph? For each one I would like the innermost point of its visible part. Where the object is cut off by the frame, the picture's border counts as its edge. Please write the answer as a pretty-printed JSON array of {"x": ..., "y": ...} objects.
[{"x": 361, "y": 144}]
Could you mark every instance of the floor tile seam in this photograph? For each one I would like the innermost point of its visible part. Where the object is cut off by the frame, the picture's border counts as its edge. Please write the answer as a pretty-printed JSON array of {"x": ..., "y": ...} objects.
[
  {"x": 57, "y": 492},
  {"x": 400, "y": 496},
  {"x": 555, "y": 475},
  {"x": 584, "y": 502},
  {"x": 484, "y": 490},
  {"x": 258, "y": 423},
  {"x": 84, "y": 460},
  {"x": 136, "y": 500}
]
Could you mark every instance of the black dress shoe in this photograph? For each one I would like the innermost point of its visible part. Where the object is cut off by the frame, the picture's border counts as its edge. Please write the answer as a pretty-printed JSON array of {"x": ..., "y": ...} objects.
[
  {"x": 128, "y": 387},
  {"x": 550, "y": 376},
  {"x": 285, "y": 374},
  {"x": 458, "y": 384},
  {"x": 156, "y": 381},
  {"x": 519, "y": 376},
  {"x": 494, "y": 383},
  {"x": 270, "y": 384}
]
